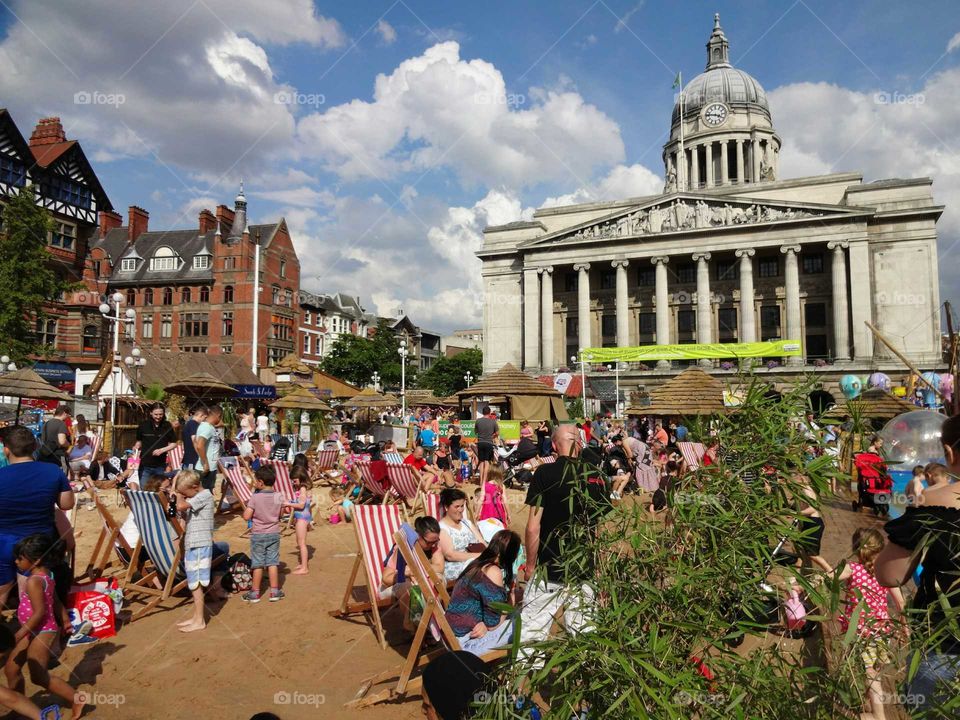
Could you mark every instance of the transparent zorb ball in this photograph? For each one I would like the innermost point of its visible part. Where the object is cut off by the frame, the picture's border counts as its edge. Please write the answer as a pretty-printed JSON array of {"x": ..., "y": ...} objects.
[{"x": 913, "y": 438}]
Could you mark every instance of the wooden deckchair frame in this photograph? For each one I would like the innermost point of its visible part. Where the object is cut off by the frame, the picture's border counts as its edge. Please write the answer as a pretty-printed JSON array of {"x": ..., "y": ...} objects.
[{"x": 109, "y": 537}]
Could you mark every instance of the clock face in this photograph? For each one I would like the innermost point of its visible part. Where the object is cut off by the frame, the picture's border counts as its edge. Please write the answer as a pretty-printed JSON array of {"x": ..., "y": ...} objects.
[{"x": 715, "y": 114}]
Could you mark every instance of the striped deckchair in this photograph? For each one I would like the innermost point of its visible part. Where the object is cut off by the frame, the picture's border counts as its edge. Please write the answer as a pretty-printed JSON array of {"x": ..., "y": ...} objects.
[
  {"x": 375, "y": 526},
  {"x": 404, "y": 485},
  {"x": 175, "y": 458},
  {"x": 393, "y": 457},
  {"x": 326, "y": 460},
  {"x": 237, "y": 482},
  {"x": 284, "y": 485},
  {"x": 110, "y": 540},
  {"x": 160, "y": 536},
  {"x": 647, "y": 477},
  {"x": 430, "y": 502},
  {"x": 95, "y": 442},
  {"x": 692, "y": 453},
  {"x": 548, "y": 459},
  {"x": 370, "y": 483},
  {"x": 433, "y": 620}
]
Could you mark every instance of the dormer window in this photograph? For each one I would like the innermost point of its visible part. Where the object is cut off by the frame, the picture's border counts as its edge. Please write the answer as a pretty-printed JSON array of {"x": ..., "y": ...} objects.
[
  {"x": 201, "y": 262},
  {"x": 164, "y": 259},
  {"x": 128, "y": 264}
]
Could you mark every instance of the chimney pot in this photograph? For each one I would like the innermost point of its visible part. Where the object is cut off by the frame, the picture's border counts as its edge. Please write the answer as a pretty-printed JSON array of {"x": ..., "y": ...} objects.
[
  {"x": 137, "y": 222},
  {"x": 208, "y": 221},
  {"x": 49, "y": 131},
  {"x": 109, "y": 220}
]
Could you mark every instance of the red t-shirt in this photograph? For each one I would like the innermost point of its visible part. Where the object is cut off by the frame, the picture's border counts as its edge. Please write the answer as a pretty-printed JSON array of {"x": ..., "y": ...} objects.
[{"x": 412, "y": 460}]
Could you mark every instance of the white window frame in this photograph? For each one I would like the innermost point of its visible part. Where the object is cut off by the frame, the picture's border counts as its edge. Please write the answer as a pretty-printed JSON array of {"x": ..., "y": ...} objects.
[
  {"x": 306, "y": 344},
  {"x": 128, "y": 265},
  {"x": 201, "y": 262},
  {"x": 164, "y": 260}
]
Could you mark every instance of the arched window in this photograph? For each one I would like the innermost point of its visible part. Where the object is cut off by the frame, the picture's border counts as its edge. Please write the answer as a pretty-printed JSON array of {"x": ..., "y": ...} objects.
[
  {"x": 185, "y": 295},
  {"x": 132, "y": 297},
  {"x": 164, "y": 259},
  {"x": 204, "y": 294},
  {"x": 148, "y": 296},
  {"x": 168, "y": 296},
  {"x": 91, "y": 339},
  {"x": 228, "y": 293}
]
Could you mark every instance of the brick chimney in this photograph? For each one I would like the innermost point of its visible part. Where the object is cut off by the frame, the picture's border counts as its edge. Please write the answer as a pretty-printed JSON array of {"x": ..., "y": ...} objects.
[
  {"x": 109, "y": 220},
  {"x": 208, "y": 221},
  {"x": 138, "y": 218},
  {"x": 48, "y": 131},
  {"x": 225, "y": 216}
]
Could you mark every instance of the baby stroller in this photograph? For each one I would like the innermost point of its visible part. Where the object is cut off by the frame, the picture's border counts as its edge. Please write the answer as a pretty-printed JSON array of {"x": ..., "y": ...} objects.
[{"x": 874, "y": 484}]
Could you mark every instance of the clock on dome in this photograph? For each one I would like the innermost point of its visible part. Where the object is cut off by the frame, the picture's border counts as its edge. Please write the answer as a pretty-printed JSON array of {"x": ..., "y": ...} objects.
[{"x": 715, "y": 114}]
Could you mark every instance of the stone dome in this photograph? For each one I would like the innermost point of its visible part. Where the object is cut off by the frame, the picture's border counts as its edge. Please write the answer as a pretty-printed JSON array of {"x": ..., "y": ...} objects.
[{"x": 721, "y": 84}]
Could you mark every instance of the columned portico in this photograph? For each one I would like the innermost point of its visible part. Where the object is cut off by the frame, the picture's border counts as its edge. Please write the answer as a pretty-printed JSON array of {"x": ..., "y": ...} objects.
[
  {"x": 546, "y": 317},
  {"x": 623, "y": 305},
  {"x": 724, "y": 166},
  {"x": 663, "y": 303},
  {"x": 583, "y": 304},
  {"x": 748, "y": 325},
  {"x": 791, "y": 278},
  {"x": 531, "y": 319},
  {"x": 838, "y": 269},
  {"x": 708, "y": 149}
]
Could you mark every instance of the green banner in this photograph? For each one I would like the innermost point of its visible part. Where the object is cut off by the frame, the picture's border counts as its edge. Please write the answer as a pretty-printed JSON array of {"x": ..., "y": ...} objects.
[
  {"x": 708, "y": 351},
  {"x": 509, "y": 429}
]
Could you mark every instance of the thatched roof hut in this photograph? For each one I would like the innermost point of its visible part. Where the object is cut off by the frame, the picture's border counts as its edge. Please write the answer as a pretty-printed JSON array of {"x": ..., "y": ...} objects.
[
  {"x": 692, "y": 392},
  {"x": 528, "y": 398},
  {"x": 872, "y": 404},
  {"x": 426, "y": 397}
]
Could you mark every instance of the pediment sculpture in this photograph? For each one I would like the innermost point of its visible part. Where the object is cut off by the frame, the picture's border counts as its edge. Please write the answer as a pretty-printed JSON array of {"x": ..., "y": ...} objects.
[{"x": 689, "y": 215}]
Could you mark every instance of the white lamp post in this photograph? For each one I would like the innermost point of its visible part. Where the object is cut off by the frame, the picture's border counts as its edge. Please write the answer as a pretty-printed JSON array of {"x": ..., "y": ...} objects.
[
  {"x": 111, "y": 311},
  {"x": 468, "y": 378},
  {"x": 375, "y": 378},
  {"x": 6, "y": 364},
  {"x": 616, "y": 369},
  {"x": 402, "y": 350},
  {"x": 584, "y": 359}
]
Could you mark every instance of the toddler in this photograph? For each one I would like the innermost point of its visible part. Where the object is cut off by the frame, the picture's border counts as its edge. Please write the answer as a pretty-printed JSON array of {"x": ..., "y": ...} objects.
[
  {"x": 301, "y": 514},
  {"x": 263, "y": 509},
  {"x": 342, "y": 508}
]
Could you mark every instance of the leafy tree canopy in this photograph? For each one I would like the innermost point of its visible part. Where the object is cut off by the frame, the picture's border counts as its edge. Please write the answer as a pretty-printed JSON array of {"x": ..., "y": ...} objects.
[
  {"x": 355, "y": 359},
  {"x": 445, "y": 376}
]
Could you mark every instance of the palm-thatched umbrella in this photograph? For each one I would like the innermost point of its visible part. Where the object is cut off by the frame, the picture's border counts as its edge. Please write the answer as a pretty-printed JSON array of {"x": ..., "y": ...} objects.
[
  {"x": 529, "y": 398},
  {"x": 370, "y": 398},
  {"x": 25, "y": 383},
  {"x": 692, "y": 392},
  {"x": 872, "y": 404},
  {"x": 301, "y": 399},
  {"x": 201, "y": 386}
]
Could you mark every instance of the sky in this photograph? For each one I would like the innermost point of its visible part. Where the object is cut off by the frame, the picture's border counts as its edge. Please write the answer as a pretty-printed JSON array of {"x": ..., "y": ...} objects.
[{"x": 388, "y": 134}]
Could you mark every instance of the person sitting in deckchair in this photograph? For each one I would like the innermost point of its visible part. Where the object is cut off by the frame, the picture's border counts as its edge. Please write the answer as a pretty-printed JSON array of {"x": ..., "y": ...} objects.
[
  {"x": 395, "y": 583},
  {"x": 427, "y": 474}
]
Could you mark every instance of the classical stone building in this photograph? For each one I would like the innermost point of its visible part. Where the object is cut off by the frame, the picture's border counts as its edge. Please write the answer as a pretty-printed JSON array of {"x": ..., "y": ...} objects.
[{"x": 730, "y": 252}]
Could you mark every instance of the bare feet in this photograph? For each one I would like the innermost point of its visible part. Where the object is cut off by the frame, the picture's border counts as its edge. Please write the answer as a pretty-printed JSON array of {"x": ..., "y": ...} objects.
[
  {"x": 300, "y": 571},
  {"x": 78, "y": 706},
  {"x": 193, "y": 627},
  {"x": 183, "y": 623}
]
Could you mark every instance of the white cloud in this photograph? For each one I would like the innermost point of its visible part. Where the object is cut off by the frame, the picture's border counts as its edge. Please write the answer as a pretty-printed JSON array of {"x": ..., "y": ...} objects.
[
  {"x": 623, "y": 20},
  {"x": 437, "y": 110},
  {"x": 386, "y": 31},
  {"x": 954, "y": 43},
  {"x": 302, "y": 196},
  {"x": 623, "y": 181}
]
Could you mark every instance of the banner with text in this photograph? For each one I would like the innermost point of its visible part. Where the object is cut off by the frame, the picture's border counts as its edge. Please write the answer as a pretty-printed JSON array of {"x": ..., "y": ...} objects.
[
  {"x": 509, "y": 429},
  {"x": 707, "y": 351}
]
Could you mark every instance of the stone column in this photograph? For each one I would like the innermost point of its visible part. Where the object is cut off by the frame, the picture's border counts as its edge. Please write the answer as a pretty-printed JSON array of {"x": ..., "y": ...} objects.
[
  {"x": 748, "y": 322},
  {"x": 841, "y": 328},
  {"x": 724, "y": 163},
  {"x": 708, "y": 148},
  {"x": 546, "y": 318},
  {"x": 531, "y": 319},
  {"x": 694, "y": 168},
  {"x": 704, "y": 319},
  {"x": 756, "y": 160},
  {"x": 663, "y": 304},
  {"x": 623, "y": 306},
  {"x": 791, "y": 276},
  {"x": 740, "y": 178},
  {"x": 583, "y": 304},
  {"x": 861, "y": 300}
]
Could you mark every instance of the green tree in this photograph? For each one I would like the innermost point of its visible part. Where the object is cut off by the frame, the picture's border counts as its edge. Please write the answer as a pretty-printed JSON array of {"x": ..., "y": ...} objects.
[
  {"x": 355, "y": 359},
  {"x": 445, "y": 376},
  {"x": 27, "y": 275}
]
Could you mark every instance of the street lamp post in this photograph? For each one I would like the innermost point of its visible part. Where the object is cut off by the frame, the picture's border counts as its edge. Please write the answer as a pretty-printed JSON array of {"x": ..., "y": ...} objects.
[
  {"x": 402, "y": 350},
  {"x": 616, "y": 369},
  {"x": 468, "y": 378},
  {"x": 111, "y": 312},
  {"x": 584, "y": 359},
  {"x": 6, "y": 364},
  {"x": 375, "y": 378}
]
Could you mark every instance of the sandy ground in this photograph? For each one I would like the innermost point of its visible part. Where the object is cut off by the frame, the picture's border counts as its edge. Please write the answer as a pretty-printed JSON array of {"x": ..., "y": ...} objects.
[{"x": 291, "y": 657}]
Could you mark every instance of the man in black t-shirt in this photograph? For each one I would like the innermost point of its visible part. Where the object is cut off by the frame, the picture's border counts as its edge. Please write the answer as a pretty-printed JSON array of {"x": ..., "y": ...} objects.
[
  {"x": 563, "y": 495},
  {"x": 155, "y": 438},
  {"x": 55, "y": 439},
  {"x": 487, "y": 433},
  {"x": 190, "y": 457}
]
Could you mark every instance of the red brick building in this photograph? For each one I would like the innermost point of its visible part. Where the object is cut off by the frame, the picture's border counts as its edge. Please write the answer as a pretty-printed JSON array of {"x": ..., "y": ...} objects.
[
  {"x": 193, "y": 289},
  {"x": 66, "y": 185}
]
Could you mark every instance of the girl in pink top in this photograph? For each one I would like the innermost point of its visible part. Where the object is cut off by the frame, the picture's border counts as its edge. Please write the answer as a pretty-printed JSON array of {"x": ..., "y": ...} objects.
[
  {"x": 874, "y": 628},
  {"x": 492, "y": 504},
  {"x": 38, "y": 623}
]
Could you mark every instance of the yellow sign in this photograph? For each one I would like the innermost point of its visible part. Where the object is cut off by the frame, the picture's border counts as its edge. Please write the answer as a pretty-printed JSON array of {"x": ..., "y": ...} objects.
[{"x": 708, "y": 351}]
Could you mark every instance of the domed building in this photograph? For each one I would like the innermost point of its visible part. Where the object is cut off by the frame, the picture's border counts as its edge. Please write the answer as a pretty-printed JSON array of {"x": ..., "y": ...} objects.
[{"x": 730, "y": 261}]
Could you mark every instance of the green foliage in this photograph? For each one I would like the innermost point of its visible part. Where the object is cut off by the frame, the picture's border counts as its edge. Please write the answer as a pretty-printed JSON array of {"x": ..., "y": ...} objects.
[
  {"x": 575, "y": 408},
  {"x": 154, "y": 392},
  {"x": 355, "y": 359},
  {"x": 27, "y": 275},
  {"x": 658, "y": 594},
  {"x": 445, "y": 376}
]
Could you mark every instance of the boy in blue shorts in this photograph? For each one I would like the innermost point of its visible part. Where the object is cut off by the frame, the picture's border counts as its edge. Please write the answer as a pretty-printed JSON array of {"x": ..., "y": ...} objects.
[{"x": 264, "y": 509}]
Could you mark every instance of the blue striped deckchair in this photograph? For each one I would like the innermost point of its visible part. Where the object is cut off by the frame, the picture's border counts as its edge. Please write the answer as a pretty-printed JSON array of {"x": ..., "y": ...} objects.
[
  {"x": 161, "y": 537},
  {"x": 393, "y": 457}
]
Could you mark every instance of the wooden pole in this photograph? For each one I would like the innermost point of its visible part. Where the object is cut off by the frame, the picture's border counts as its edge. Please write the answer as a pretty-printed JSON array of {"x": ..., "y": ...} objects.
[
  {"x": 954, "y": 369},
  {"x": 902, "y": 358}
]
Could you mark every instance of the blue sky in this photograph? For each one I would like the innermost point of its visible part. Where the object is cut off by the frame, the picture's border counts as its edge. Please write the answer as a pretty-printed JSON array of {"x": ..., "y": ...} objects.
[{"x": 388, "y": 134}]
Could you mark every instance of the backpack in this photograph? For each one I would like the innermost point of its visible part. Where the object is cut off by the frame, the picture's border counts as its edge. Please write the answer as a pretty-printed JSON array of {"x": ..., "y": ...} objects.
[{"x": 238, "y": 577}]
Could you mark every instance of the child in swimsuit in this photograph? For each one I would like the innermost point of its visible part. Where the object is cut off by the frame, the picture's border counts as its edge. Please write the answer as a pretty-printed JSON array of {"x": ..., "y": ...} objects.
[
  {"x": 301, "y": 513},
  {"x": 38, "y": 624}
]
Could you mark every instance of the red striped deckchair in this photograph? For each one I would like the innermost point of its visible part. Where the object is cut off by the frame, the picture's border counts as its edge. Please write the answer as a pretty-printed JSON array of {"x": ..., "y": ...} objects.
[
  {"x": 326, "y": 460},
  {"x": 647, "y": 477},
  {"x": 370, "y": 482},
  {"x": 548, "y": 459},
  {"x": 430, "y": 502},
  {"x": 237, "y": 482},
  {"x": 284, "y": 483},
  {"x": 404, "y": 485},
  {"x": 692, "y": 453},
  {"x": 375, "y": 526},
  {"x": 175, "y": 458}
]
